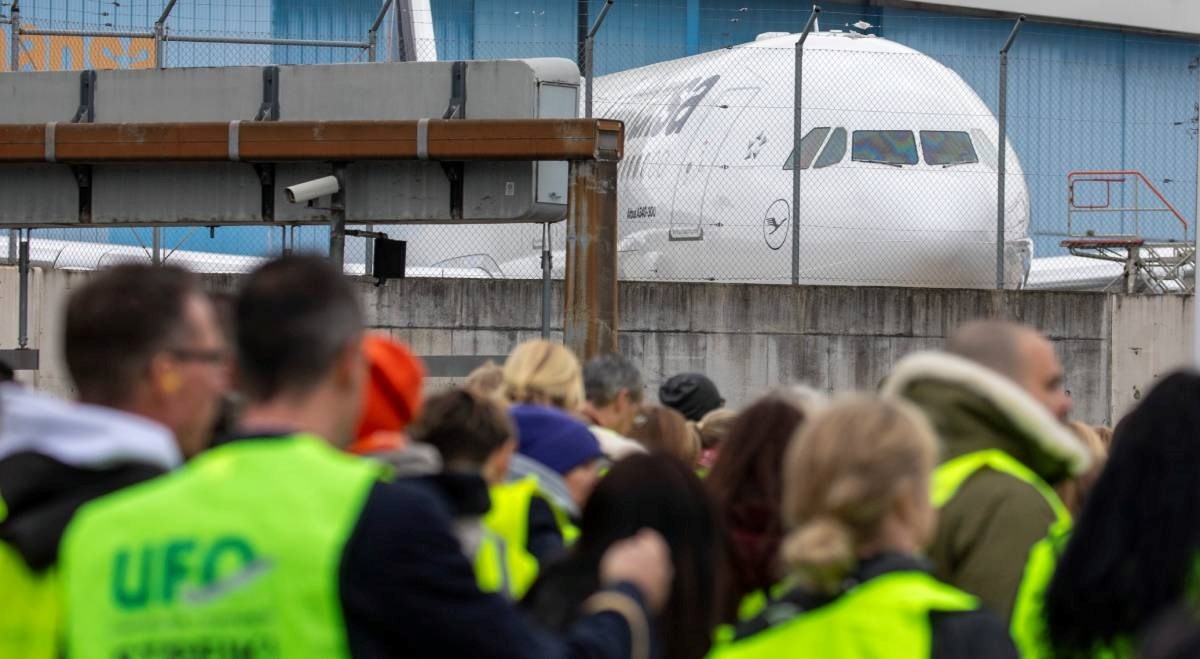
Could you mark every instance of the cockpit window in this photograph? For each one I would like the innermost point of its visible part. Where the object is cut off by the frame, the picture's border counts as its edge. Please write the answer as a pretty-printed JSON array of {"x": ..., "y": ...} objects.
[
  {"x": 987, "y": 149},
  {"x": 808, "y": 148},
  {"x": 834, "y": 151},
  {"x": 888, "y": 147},
  {"x": 947, "y": 147}
]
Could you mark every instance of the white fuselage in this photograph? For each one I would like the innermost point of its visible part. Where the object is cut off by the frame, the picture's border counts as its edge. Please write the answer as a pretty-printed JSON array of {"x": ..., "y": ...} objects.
[{"x": 704, "y": 194}]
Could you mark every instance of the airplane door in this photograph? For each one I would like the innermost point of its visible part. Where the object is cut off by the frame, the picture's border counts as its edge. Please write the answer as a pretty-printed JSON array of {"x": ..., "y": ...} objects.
[{"x": 702, "y": 158}]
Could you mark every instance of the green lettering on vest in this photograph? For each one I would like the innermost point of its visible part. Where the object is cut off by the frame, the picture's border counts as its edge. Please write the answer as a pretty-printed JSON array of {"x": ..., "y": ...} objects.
[
  {"x": 228, "y": 555},
  {"x": 175, "y": 570},
  {"x": 139, "y": 596},
  {"x": 237, "y": 554}
]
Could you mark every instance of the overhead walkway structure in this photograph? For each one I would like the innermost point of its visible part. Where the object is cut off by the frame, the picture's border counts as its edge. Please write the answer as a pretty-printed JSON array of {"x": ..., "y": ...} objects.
[{"x": 1155, "y": 259}]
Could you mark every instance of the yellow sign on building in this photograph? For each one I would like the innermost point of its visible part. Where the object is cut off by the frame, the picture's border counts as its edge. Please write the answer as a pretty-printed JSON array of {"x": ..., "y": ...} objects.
[{"x": 40, "y": 53}]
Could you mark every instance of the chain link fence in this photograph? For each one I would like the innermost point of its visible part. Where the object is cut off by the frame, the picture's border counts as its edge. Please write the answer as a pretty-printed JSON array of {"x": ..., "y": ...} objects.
[{"x": 899, "y": 157}]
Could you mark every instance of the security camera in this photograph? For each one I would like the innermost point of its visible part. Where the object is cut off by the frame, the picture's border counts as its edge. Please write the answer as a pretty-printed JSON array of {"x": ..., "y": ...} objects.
[{"x": 309, "y": 190}]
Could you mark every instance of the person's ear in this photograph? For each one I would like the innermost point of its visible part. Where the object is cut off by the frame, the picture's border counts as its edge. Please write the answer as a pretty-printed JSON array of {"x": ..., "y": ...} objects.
[
  {"x": 350, "y": 367},
  {"x": 164, "y": 375}
]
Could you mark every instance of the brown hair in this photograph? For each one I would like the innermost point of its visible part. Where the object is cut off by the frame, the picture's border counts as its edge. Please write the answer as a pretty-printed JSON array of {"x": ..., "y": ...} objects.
[
  {"x": 117, "y": 322},
  {"x": 544, "y": 373},
  {"x": 746, "y": 485},
  {"x": 664, "y": 430},
  {"x": 464, "y": 427},
  {"x": 844, "y": 471}
]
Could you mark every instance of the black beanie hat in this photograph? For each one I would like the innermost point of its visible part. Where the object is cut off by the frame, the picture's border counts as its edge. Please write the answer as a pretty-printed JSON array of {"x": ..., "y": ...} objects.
[{"x": 691, "y": 394}]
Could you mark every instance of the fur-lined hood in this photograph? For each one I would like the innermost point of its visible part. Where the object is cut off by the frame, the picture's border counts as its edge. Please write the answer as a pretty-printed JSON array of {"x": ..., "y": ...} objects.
[{"x": 1025, "y": 415}]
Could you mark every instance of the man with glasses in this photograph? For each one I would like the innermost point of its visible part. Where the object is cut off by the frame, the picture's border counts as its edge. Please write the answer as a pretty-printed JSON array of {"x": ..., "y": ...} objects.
[{"x": 149, "y": 362}]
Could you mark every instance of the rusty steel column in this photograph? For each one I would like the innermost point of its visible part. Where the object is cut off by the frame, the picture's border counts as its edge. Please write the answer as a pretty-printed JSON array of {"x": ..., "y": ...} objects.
[{"x": 590, "y": 305}]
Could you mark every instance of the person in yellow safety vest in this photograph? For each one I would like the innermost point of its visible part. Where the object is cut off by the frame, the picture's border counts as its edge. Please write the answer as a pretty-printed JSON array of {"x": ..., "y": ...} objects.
[
  {"x": 563, "y": 459},
  {"x": 275, "y": 543},
  {"x": 856, "y": 505},
  {"x": 474, "y": 437},
  {"x": 1135, "y": 550},
  {"x": 147, "y": 356},
  {"x": 996, "y": 399}
]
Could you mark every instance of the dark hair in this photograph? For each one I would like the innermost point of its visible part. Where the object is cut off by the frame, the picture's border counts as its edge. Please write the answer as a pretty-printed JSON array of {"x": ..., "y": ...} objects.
[
  {"x": 463, "y": 426},
  {"x": 606, "y": 375},
  {"x": 746, "y": 482},
  {"x": 663, "y": 429},
  {"x": 116, "y": 323},
  {"x": 294, "y": 315},
  {"x": 1133, "y": 550},
  {"x": 642, "y": 491}
]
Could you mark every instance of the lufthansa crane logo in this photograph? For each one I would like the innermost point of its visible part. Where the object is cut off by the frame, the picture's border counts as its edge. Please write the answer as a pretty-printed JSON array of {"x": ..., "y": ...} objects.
[{"x": 776, "y": 222}]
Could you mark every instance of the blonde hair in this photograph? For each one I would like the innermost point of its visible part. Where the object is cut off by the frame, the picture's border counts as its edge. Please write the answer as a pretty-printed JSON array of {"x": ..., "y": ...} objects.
[
  {"x": 842, "y": 474},
  {"x": 544, "y": 373},
  {"x": 1074, "y": 491},
  {"x": 714, "y": 427},
  {"x": 487, "y": 381}
]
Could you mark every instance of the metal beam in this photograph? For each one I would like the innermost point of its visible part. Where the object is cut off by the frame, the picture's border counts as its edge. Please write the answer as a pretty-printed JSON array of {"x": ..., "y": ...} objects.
[
  {"x": 456, "y": 366},
  {"x": 86, "y": 33},
  {"x": 254, "y": 41},
  {"x": 315, "y": 141},
  {"x": 590, "y": 320}
]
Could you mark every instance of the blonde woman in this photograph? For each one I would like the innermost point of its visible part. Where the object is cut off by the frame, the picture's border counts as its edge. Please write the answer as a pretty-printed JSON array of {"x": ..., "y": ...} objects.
[
  {"x": 857, "y": 509},
  {"x": 541, "y": 372}
]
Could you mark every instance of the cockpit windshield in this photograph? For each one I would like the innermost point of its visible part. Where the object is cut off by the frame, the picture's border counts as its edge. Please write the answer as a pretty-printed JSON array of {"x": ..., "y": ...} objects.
[
  {"x": 888, "y": 147},
  {"x": 947, "y": 147}
]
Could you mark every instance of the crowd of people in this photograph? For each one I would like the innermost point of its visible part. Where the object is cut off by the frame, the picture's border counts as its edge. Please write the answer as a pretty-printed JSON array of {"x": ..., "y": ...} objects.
[{"x": 260, "y": 476}]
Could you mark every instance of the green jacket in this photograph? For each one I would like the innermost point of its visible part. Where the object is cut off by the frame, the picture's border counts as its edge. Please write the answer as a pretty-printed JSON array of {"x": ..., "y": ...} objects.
[{"x": 985, "y": 532}]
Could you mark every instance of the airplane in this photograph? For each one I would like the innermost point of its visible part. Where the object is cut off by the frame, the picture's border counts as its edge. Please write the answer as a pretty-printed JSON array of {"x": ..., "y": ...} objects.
[{"x": 898, "y": 173}]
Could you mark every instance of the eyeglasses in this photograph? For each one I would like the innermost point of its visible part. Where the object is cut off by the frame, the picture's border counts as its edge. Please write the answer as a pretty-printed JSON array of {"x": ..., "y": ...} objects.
[{"x": 212, "y": 356}]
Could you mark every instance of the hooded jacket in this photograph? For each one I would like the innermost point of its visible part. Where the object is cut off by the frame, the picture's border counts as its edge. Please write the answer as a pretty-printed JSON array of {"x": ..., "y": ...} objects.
[
  {"x": 986, "y": 530},
  {"x": 54, "y": 457}
]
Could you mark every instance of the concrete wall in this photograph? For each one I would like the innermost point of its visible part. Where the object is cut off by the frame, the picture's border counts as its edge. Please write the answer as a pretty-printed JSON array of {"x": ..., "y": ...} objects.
[{"x": 748, "y": 338}]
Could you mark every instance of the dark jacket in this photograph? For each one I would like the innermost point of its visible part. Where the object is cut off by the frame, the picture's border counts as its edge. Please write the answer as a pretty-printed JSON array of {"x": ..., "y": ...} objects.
[
  {"x": 407, "y": 590},
  {"x": 986, "y": 530},
  {"x": 56, "y": 456},
  {"x": 974, "y": 634}
]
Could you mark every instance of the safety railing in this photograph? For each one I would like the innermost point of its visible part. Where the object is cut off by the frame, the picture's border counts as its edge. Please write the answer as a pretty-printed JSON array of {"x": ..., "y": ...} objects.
[{"x": 1081, "y": 204}]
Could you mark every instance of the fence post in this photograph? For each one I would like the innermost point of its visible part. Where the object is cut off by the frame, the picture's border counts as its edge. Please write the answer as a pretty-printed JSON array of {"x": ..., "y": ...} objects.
[
  {"x": 23, "y": 293},
  {"x": 547, "y": 270},
  {"x": 14, "y": 42},
  {"x": 1196, "y": 232},
  {"x": 337, "y": 219},
  {"x": 589, "y": 49},
  {"x": 796, "y": 138},
  {"x": 160, "y": 33},
  {"x": 373, "y": 31},
  {"x": 1001, "y": 149}
]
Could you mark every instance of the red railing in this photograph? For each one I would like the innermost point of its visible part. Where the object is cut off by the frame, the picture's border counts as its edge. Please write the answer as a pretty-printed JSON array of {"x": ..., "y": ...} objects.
[{"x": 1108, "y": 178}]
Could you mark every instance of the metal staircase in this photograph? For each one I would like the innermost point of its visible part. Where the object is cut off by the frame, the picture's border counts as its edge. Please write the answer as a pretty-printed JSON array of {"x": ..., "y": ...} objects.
[{"x": 1156, "y": 265}]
